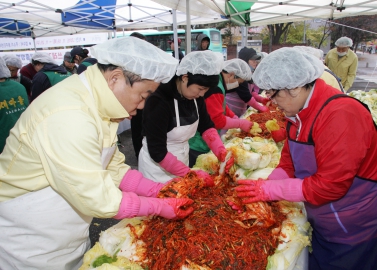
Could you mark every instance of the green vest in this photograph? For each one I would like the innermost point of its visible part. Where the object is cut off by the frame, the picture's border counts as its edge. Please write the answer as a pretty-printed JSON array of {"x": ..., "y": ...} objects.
[
  {"x": 87, "y": 64},
  {"x": 197, "y": 143},
  {"x": 56, "y": 77}
]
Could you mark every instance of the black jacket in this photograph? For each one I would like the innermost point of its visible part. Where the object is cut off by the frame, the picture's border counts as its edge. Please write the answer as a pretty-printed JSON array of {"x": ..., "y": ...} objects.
[
  {"x": 41, "y": 81},
  {"x": 159, "y": 117}
]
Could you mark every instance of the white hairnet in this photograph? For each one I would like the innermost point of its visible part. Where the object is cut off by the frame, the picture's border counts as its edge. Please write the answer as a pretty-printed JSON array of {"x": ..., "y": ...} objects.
[
  {"x": 313, "y": 51},
  {"x": 239, "y": 68},
  {"x": 262, "y": 55},
  {"x": 287, "y": 68},
  {"x": 4, "y": 70},
  {"x": 201, "y": 62},
  {"x": 12, "y": 60},
  {"x": 137, "y": 56},
  {"x": 42, "y": 57},
  {"x": 343, "y": 42}
]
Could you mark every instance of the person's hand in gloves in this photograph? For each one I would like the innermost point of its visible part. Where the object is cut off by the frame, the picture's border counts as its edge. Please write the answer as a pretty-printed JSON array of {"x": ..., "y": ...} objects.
[
  {"x": 205, "y": 177},
  {"x": 213, "y": 140},
  {"x": 289, "y": 189},
  {"x": 253, "y": 103},
  {"x": 278, "y": 133},
  {"x": 260, "y": 99},
  {"x": 132, "y": 205},
  {"x": 243, "y": 124},
  {"x": 134, "y": 181}
]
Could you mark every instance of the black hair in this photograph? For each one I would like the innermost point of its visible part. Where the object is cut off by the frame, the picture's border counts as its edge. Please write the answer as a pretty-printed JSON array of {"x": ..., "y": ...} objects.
[
  {"x": 130, "y": 76},
  {"x": 310, "y": 85},
  {"x": 202, "y": 80},
  {"x": 35, "y": 62},
  {"x": 138, "y": 35},
  {"x": 84, "y": 53}
]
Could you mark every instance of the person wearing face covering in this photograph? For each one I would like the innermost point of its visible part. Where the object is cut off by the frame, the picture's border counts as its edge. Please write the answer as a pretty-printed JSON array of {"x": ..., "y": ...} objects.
[
  {"x": 61, "y": 165},
  {"x": 343, "y": 62},
  {"x": 234, "y": 70},
  {"x": 241, "y": 95},
  {"x": 321, "y": 163},
  {"x": 174, "y": 113}
]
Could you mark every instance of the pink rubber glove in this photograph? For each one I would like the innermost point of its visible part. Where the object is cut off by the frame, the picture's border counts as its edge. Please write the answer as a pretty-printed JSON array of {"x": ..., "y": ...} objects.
[
  {"x": 134, "y": 181},
  {"x": 174, "y": 166},
  {"x": 279, "y": 135},
  {"x": 289, "y": 189},
  {"x": 253, "y": 103},
  {"x": 243, "y": 124},
  {"x": 278, "y": 174},
  {"x": 260, "y": 99},
  {"x": 235, "y": 117},
  {"x": 214, "y": 142},
  {"x": 205, "y": 177},
  {"x": 138, "y": 206}
]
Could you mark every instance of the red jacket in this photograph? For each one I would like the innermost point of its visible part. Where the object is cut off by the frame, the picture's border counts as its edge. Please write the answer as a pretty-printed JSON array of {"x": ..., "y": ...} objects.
[
  {"x": 345, "y": 145},
  {"x": 214, "y": 99}
]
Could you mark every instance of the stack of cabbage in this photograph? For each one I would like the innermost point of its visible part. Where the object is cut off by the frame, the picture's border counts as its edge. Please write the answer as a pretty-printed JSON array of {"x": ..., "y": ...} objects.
[{"x": 368, "y": 98}]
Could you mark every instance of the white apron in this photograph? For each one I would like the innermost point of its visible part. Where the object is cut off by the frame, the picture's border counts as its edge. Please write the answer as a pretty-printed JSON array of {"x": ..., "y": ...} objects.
[
  {"x": 176, "y": 143},
  {"x": 41, "y": 230}
]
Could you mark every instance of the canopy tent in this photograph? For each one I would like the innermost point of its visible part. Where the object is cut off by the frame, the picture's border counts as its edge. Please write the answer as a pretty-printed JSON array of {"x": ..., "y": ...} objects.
[
  {"x": 256, "y": 13},
  {"x": 48, "y": 18}
]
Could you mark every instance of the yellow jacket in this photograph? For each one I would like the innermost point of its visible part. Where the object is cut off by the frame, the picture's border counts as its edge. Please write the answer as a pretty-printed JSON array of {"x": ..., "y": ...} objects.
[
  {"x": 58, "y": 142},
  {"x": 330, "y": 79},
  {"x": 344, "y": 67}
]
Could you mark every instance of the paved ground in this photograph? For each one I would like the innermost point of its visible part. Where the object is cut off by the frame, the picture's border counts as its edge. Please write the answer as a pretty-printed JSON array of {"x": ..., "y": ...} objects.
[
  {"x": 366, "y": 76},
  {"x": 366, "y": 79}
]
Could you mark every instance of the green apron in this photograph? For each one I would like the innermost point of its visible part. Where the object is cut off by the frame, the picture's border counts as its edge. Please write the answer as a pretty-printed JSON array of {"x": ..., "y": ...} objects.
[
  {"x": 197, "y": 143},
  {"x": 56, "y": 77}
]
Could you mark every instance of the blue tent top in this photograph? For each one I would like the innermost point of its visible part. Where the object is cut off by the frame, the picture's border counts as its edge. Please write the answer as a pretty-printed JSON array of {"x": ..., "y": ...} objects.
[
  {"x": 11, "y": 27},
  {"x": 98, "y": 14}
]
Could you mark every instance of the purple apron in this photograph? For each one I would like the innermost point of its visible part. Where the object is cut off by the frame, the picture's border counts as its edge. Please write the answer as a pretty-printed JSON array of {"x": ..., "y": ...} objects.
[{"x": 344, "y": 231}]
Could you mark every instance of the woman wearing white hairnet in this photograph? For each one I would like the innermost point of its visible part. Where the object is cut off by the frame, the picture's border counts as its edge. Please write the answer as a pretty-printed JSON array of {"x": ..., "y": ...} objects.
[
  {"x": 223, "y": 117},
  {"x": 61, "y": 166},
  {"x": 327, "y": 162},
  {"x": 174, "y": 113},
  {"x": 242, "y": 94}
]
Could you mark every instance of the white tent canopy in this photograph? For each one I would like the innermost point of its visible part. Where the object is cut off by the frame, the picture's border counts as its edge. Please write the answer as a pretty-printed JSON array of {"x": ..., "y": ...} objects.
[
  {"x": 271, "y": 11},
  {"x": 48, "y": 18}
]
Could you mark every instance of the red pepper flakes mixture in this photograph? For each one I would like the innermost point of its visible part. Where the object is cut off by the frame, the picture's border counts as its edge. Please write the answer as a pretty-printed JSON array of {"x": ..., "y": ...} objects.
[
  {"x": 261, "y": 118},
  {"x": 214, "y": 235}
]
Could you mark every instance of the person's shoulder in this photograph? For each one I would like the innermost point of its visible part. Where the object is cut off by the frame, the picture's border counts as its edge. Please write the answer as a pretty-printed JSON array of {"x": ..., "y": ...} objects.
[
  {"x": 16, "y": 86},
  {"x": 91, "y": 60}
]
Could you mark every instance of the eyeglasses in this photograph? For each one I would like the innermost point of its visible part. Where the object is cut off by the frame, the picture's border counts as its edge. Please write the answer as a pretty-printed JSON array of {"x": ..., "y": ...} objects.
[{"x": 271, "y": 93}]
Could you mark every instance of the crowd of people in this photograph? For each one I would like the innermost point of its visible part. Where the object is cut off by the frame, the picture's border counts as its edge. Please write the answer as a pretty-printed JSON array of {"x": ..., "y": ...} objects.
[{"x": 60, "y": 165}]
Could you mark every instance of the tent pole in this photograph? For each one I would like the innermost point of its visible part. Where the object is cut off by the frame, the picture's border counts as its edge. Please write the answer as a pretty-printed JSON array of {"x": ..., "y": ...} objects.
[
  {"x": 175, "y": 34},
  {"x": 244, "y": 36},
  {"x": 188, "y": 27},
  {"x": 33, "y": 37}
]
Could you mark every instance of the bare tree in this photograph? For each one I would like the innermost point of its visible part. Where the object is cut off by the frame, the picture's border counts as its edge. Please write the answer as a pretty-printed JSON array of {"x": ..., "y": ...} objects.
[
  {"x": 277, "y": 31},
  {"x": 355, "y": 30}
]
